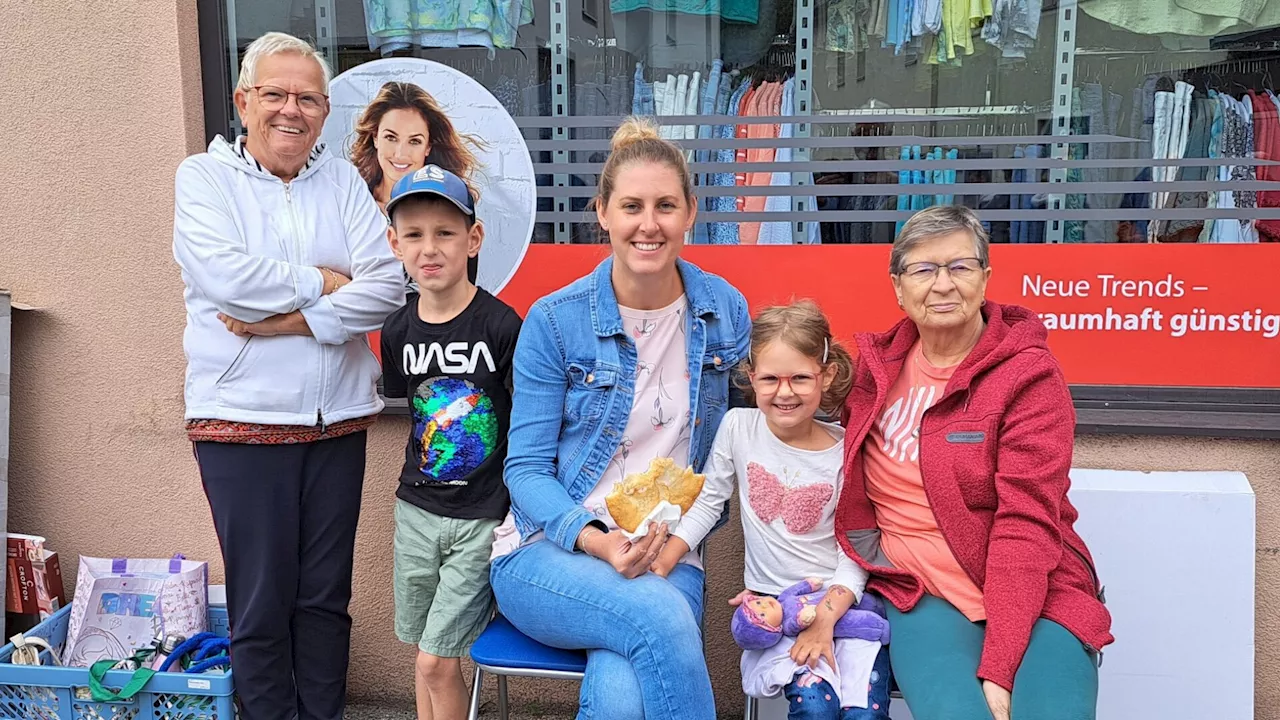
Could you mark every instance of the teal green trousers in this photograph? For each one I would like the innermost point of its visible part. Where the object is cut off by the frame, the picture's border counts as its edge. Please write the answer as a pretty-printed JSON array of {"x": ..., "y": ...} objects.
[{"x": 935, "y": 652}]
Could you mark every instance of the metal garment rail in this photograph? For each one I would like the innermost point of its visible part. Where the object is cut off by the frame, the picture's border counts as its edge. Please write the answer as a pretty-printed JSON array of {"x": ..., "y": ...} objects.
[
  {"x": 877, "y": 190},
  {"x": 592, "y": 168},
  {"x": 836, "y": 141},
  {"x": 990, "y": 215}
]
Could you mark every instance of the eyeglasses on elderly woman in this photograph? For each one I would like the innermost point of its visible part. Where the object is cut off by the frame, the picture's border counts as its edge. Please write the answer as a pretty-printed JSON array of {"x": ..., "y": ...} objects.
[{"x": 960, "y": 270}]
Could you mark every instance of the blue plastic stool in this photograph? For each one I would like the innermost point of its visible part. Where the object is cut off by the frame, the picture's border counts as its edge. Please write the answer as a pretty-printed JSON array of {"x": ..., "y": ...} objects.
[{"x": 503, "y": 651}]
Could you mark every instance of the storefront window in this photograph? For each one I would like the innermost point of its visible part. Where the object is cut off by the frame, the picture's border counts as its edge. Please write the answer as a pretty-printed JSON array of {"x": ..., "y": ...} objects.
[{"x": 1048, "y": 117}]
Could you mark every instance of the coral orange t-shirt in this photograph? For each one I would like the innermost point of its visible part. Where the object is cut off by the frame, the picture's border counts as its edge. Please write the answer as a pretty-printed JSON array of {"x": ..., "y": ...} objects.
[{"x": 909, "y": 533}]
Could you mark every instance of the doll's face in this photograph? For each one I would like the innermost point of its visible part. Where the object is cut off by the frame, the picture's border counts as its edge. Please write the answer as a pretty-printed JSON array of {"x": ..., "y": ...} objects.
[{"x": 767, "y": 609}]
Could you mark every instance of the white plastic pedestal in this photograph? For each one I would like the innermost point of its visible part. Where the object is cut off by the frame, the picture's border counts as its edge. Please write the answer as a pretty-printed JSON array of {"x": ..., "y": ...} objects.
[{"x": 1175, "y": 551}]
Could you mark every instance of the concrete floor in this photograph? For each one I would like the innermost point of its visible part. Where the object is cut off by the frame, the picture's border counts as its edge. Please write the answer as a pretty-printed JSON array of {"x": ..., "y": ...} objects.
[
  {"x": 489, "y": 711},
  {"x": 364, "y": 711}
]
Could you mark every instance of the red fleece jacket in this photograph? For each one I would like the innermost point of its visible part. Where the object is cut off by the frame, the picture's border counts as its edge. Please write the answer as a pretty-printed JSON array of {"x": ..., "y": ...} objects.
[{"x": 994, "y": 456}]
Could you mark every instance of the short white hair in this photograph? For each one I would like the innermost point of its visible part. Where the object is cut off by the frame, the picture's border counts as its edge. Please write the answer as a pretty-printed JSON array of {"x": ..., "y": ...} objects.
[
  {"x": 275, "y": 43},
  {"x": 934, "y": 222}
]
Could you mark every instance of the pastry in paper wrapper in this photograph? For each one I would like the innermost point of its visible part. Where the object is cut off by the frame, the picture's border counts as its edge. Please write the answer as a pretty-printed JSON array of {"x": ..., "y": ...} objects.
[{"x": 637, "y": 495}]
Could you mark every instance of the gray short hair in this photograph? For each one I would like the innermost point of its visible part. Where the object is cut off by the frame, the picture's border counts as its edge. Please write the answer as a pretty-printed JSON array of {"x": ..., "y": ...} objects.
[
  {"x": 934, "y": 222},
  {"x": 275, "y": 43}
]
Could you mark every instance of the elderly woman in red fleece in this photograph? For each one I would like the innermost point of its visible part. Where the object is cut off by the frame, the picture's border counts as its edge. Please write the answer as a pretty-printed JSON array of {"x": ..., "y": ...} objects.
[{"x": 960, "y": 429}]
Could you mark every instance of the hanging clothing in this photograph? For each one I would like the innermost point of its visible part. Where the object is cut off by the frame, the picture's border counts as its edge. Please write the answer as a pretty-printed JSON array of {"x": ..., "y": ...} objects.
[
  {"x": 918, "y": 177},
  {"x": 878, "y": 25},
  {"x": 1197, "y": 146},
  {"x": 1100, "y": 112},
  {"x": 1214, "y": 108},
  {"x": 767, "y": 103},
  {"x": 779, "y": 233},
  {"x": 707, "y": 106},
  {"x": 1225, "y": 231},
  {"x": 1172, "y": 144},
  {"x": 1182, "y": 17},
  {"x": 1236, "y": 142},
  {"x": 692, "y": 102},
  {"x": 726, "y": 233},
  {"x": 679, "y": 106},
  {"x": 898, "y": 25},
  {"x": 1014, "y": 26},
  {"x": 1266, "y": 146},
  {"x": 959, "y": 18},
  {"x": 747, "y": 108},
  {"x": 926, "y": 17},
  {"x": 742, "y": 44},
  {"x": 1073, "y": 230},
  {"x": 847, "y": 25},
  {"x": 1018, "y": 175},
  {"x": 401, "y": 24},
  {"x": 904, "y": 178},
  {"x": 1028, "y": 231},
  {"x": 949, "y": 177},
  {"x": 1246, "y": 198},
  {"x": 1142, "y": 125},
  {"x": 642, "y": 99},
  {"x": 721, "y": 233},
  {"x": 737, "y": 11}
]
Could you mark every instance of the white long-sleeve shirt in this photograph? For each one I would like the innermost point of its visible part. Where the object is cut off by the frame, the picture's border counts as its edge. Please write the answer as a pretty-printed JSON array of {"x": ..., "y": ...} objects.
[
  {"x": 788, "y": 503},
  {"x": 249, "y": 246}
]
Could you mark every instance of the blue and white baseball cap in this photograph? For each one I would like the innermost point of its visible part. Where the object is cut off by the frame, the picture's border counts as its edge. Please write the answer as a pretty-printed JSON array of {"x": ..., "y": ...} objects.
[{"x": 433, "y": 180}]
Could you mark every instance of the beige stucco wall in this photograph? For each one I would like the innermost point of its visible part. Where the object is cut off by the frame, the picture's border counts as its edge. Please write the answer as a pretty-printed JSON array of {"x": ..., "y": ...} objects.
[{"x": 99, "y": 103}]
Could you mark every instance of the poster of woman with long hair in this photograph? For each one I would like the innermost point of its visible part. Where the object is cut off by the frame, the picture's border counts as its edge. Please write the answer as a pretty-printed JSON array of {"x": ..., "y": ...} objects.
[{"x": 391, "y": 117}]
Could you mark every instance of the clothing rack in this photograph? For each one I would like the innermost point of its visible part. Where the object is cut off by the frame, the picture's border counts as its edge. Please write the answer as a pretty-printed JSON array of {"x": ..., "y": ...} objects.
[
  {"x": 799, "y": 47},
  {"x": 1023, "y": 109},
  {"x": 1097, "y": 51}
]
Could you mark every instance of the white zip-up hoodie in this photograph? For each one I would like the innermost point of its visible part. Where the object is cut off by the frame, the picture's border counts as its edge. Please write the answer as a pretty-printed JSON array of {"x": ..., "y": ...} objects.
[{"x": 250, "y": 246}]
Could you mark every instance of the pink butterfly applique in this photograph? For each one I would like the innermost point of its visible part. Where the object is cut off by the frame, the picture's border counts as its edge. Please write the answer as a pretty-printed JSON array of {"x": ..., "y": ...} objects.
[{"x": 799, "y": 507}]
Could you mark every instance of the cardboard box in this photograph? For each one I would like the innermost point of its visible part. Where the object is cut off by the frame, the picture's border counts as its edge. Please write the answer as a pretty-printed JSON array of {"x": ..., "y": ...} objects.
[
  {"x": 21, "y": 552},
  {"x": 34, "y": 577},
  {"x": 50, "y": 593}
]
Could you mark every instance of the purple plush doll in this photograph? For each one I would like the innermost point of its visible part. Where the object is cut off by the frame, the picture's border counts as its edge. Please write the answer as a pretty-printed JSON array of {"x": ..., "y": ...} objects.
[{"x": 761, "y": 621}]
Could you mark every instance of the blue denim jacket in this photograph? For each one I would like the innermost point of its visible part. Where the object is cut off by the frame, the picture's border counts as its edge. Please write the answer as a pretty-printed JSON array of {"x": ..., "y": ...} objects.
[{"x": 574, "y": 373}]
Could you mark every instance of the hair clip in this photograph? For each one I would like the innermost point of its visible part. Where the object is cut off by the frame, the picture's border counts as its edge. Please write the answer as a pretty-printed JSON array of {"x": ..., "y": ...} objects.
[{"x": 826, "y": 350}]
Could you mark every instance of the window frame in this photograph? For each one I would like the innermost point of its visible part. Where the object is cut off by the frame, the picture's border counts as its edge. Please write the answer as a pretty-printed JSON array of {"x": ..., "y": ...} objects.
[{"x": 1101, "y": 409}]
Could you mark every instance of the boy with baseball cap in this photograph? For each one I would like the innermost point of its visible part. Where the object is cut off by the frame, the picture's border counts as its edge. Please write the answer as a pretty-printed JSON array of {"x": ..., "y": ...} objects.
[{"x": 449, "y": 351}]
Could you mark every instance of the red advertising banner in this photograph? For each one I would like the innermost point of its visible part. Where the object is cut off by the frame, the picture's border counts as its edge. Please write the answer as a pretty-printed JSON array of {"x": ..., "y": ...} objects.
[{"x": 1162, "y": 315}]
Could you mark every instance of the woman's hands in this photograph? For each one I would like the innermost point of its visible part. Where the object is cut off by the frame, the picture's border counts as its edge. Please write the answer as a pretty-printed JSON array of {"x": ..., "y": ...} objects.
[
  {"x": 630, "y": 559},
  {"x": 672, "y": 552},
  {"x": 998, "y": 699}
]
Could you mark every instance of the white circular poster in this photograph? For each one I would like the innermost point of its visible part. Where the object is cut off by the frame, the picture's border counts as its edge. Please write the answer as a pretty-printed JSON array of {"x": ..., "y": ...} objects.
[{"x": 502, "y": 173}]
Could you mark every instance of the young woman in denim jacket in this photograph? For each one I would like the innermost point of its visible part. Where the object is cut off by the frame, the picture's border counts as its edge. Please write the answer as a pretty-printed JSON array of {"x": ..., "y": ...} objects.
[{"x": 627, "y": 364}]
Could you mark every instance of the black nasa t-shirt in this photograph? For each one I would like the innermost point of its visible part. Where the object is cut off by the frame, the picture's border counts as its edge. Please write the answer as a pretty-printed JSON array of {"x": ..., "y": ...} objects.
[{"x": 457, "y": 378}]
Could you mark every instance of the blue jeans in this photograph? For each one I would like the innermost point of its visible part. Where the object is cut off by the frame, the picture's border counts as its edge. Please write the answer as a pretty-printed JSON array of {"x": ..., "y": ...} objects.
[
  {"x": 818, "y": 701},
  {"x": 643, "y": 637}
]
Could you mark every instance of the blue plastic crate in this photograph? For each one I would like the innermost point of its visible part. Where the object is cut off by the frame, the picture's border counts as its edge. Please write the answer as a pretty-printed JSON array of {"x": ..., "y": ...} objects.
[{"x": 43, "y": 692}]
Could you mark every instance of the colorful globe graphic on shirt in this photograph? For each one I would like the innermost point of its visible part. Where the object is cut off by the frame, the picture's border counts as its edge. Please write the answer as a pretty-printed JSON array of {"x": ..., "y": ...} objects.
[{"x": 454, "y": 427}]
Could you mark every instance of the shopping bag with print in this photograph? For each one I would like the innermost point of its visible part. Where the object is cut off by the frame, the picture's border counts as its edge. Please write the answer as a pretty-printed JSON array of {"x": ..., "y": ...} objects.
[{"x": 122, "y": 605}]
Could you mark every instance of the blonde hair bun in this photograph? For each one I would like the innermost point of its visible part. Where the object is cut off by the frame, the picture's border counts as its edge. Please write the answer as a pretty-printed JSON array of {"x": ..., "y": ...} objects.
[
  {"x": 634, "y": 130},
  {"x": 637, "y": 141}
]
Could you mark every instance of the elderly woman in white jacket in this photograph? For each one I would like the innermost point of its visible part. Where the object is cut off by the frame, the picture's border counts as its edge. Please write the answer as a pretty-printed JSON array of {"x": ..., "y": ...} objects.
[{"x": 286, "y": 266}]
